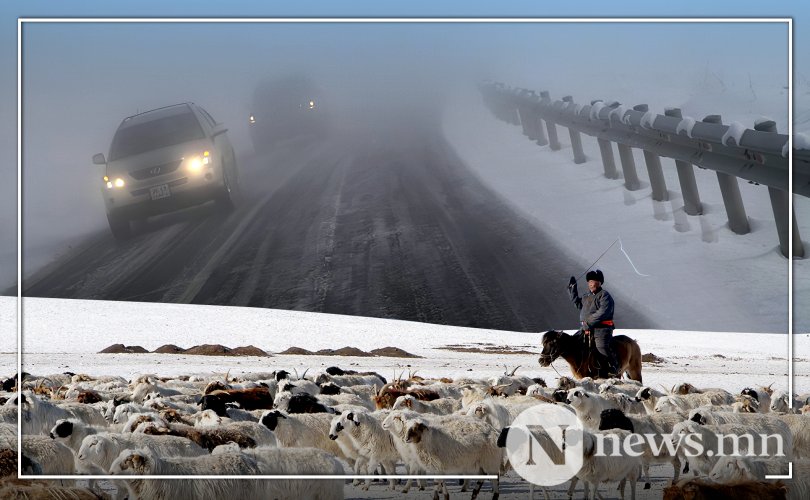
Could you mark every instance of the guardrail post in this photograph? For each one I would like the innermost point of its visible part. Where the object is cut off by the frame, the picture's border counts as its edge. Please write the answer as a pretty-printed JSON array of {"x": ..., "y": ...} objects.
[
  {"x": 631, "y": 182},
  {"x": 553, "y": 140},
  {"x": 732, "y": 199},
  {"x": 781, "y": 205},
  {"x": 539, "y": 132},
  {"x": 686, "y": 177},
  {"x": 608, "y": 161},
  {"x": 654, "y": 170},
  {"x": 524, "y": 114},
  {"x": 576, "y": 138}
]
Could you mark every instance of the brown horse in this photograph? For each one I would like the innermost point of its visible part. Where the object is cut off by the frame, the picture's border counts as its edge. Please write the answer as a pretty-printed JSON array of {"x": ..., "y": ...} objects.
[{"x": 587, "y": 362}]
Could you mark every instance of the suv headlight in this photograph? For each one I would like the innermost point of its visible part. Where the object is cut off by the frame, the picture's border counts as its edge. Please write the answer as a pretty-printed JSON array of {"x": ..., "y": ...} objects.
[
  {"x": 118, "y": 182},
  {"x": 196, "y": 163}
]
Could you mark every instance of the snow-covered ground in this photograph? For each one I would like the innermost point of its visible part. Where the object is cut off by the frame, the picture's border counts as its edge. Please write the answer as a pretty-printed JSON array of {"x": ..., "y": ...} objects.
[
  {"x": 699, "y": 274},
  {"x": 61, "y": 334}
]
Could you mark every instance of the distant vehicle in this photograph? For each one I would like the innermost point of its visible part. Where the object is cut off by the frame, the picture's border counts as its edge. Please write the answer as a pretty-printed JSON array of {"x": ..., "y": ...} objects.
[
  {"x": 164, "y": 160},
  {"x": 286, "y": 108}
]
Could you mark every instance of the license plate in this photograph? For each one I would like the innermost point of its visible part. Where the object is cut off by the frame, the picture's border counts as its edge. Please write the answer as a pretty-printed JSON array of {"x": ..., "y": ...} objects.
[{"x": 159, "y": 192}]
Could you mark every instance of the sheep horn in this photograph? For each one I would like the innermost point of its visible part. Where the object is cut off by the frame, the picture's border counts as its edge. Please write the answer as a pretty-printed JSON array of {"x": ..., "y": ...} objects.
[
  {"x": 227, "y": 374},
  {"x": 305, "y": 373},
  {"x": 512, "y": 374},
  {"x": 506, "y": 370},
  {"x": 296, "y": 374}
]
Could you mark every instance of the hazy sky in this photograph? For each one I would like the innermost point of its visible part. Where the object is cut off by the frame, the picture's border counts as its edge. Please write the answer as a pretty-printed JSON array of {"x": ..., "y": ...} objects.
[{"x": 81, "y": 79}]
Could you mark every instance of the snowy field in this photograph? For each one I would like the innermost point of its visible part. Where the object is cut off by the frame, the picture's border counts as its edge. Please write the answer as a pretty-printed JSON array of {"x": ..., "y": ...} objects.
[{"x": 61, "y": 334}]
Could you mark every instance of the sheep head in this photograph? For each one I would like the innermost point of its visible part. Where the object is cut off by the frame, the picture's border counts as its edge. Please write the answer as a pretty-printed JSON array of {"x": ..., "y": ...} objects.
[
  {"x": 270, "y": 419},
  {"x": 62, "y": 429},
  {"x": 131, "y": 462},
  {"x": 414, "y": 432}
]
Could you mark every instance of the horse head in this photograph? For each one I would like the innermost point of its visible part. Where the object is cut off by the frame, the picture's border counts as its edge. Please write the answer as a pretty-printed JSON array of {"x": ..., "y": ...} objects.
[{"x": 552, "y": 347}]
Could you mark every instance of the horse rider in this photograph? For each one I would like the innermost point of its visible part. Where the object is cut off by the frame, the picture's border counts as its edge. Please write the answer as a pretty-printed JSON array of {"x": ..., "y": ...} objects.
[{"x": 596, "y": 316}]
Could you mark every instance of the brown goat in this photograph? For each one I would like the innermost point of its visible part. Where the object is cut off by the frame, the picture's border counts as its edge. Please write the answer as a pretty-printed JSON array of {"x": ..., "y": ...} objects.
[
  {"x": 698, "y": 489},
  {"x": 389, "y": 393},
  {"x": 89, "y": 397},
  {"x": 255, "y": 398},
  {"x": 172, "y": 415},
  {"x": 206, "y": 438}
]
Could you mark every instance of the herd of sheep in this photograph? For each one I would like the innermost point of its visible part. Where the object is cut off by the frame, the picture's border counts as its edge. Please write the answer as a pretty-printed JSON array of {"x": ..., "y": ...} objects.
[{"x": 341, "y": 422}]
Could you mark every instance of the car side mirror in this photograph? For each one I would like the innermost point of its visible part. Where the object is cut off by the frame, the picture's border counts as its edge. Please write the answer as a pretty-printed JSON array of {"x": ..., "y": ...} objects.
[
  {"x": 98, "y": 159},
  {"x": 219, "y": 130}
]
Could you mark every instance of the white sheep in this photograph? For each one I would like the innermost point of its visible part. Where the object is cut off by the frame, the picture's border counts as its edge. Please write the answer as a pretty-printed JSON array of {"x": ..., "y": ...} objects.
[
  {"x": 656, "y": 429},
  {"x": 614, "y": 386},
  {"x": 589, "y": 407},
  {"x": 712, "y": 442},
  {"x": 346, "y": 399},
  {"x": 123, "y": 412},
  {"x": 346, "y": 444},
  {"x": 441, "y": 406},
  {"x": 780, "y": 401},
  {"x": 649, "y": 396},
  {"x": 472, "y": 394},
  {"x": 372, "y": 442},
  {"x": 141, "y": 389},
  {"x": 298, "y": 387},
  {"x": 491, "y": 412},
  {"x": 455, "y": 445},
  {"x": 394, "y": 423},
  {"x": 301, "y": 430},
  {"x": 145, "y": 462},
  {"x": 730, "y": 469},
  {"x": 758, "y": 423},
  {"x": 612, "y": 464},
  {"x": 40, "y": 416},
  {"x": 350, "y": 380},
  {"x": 260, "y": 434},
  {"x": 132, "y": 423},
  {"x": 71, "y": 432},
  {"x": 53, "y": 457},
  {"x": 98, "y": 451},
  {"x": 209, "y": 417},
  {"x": 799, "y": 426},
  {"x": 737, "y": 469},
  {"x": 682, "y": 404},
  {"x": 763, "y": 396},
  {"x": 294, "y": 462},
  {"x": 178, "y": 403}
]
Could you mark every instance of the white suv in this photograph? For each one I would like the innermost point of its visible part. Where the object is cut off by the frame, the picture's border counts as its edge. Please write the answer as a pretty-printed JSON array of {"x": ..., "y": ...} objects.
[{"x": 164, "y": 160}]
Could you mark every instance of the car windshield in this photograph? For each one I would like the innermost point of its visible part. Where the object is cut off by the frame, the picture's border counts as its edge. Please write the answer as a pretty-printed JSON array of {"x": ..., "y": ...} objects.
[{"x": 155, "y": 134}]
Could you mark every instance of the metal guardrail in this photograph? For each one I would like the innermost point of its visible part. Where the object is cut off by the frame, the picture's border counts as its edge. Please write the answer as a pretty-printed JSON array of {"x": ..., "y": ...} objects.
[{"x": 757, "y": 155}]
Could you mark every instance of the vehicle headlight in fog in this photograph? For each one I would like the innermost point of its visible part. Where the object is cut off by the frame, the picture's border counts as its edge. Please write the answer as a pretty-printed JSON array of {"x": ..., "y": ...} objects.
[
  {"x": 252, "y": 119},
  {"x": 119, "y": 182},
  {"x": 196, "y": 163},
  {"x": 311, "y": 104}
]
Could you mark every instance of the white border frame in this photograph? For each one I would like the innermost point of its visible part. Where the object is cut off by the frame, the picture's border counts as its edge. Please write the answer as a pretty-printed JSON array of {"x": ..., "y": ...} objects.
[{"x": 386, "y": 20}]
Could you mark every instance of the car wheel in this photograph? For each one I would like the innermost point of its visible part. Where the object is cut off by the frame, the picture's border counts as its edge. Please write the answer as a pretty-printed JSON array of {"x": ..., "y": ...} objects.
[
  {"x": 119, "y": 226},
  {"x": 225, "y": 200}
]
